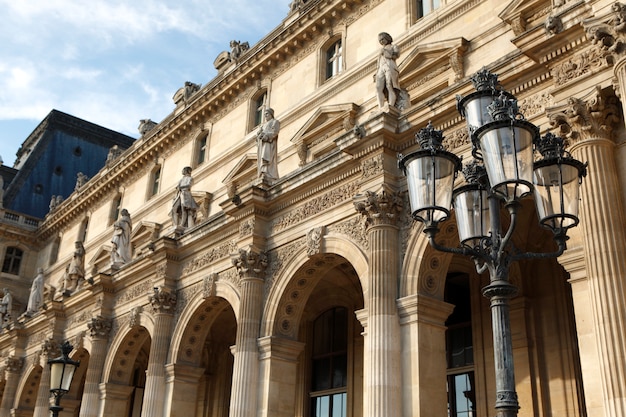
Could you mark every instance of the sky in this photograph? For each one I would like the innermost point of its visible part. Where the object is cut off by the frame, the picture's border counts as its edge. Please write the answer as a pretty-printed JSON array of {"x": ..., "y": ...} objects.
[{"x": 113, "y": 62}]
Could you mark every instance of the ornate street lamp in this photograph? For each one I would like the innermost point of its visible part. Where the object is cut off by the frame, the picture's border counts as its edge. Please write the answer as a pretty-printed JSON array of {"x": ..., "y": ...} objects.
[
  {"x": 502, "y": 173},
  {"x": 61, "y": 374}
]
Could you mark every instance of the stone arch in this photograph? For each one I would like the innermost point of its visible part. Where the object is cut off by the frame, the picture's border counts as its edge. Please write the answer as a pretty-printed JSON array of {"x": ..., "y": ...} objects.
[
  {"x": 424, "y": 268},
  {"x": 122, "y": 354},
  {"x": 296, "y": 281},
  {"x": 224, "y": 290},
  {"x": 192, "y": 332},
  {"x": 26, "y": 397}
]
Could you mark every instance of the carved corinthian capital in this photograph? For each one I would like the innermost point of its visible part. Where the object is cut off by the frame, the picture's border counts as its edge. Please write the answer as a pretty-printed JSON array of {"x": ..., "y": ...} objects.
[
  {"x": 99, "y": 327},
  {"x": 382, "y": 207},
  {"x": 594, "y": 116},
  {"x": 250, "y": 263},
  {"x": 163, "y": 300},
  {"x": 14, "y": 364}
]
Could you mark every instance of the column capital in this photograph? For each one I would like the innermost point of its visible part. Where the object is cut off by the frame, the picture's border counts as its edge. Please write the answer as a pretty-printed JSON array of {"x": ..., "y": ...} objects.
[
  {"x": 591, "y": 117},
  {"x": 380, "y": 207},
  {"x": 163, "y": 300},
  {"x": 14, "y": 364},
  {"x": 250, "y": 262},
  {"x": 99, "y": 327}
]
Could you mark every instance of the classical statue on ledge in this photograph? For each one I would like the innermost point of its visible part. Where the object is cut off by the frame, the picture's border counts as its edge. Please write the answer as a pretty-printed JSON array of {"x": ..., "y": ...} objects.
[
  {"x": 388, "y": 91},
  {"x": 184, "y": 207},
  {"x": 121, "y": 250},
  {"x": 267, "y": 149}
]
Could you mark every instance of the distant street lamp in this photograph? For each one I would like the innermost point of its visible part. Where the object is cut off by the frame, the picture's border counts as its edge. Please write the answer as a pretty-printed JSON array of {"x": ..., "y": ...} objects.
[
  {"x": 61, "y": 374},
  {"x": 502, "y": 173}
]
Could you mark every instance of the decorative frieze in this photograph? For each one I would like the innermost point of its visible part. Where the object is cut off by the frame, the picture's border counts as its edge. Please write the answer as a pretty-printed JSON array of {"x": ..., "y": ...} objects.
[
  {"x": 324, "y": 202},
  {"x": 372, "y": 167},
  {"x": 314, "y": 240},
  {"x": 134, "y": 292},
  {"x": 207, "y": 258},
  {"x": 354, "y": 228},
  {"x": 586, "y": 62}
]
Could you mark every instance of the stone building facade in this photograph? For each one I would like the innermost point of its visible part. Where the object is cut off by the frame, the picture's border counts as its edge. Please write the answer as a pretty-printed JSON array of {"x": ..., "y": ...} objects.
[{"x": 315, "y": 294}]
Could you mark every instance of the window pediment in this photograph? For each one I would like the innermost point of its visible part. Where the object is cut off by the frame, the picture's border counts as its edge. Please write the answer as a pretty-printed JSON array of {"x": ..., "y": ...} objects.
[
  {"x": 244, "y": 172},
  {"x": 425, "y": 70},
  {"x": 316, "y": 137}
]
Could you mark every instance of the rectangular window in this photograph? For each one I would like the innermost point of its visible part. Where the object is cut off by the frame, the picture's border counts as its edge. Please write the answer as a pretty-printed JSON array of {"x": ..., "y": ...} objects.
[
  {"x": 12, "y": 260},
  {"x": 425, "y": 7},
  {"x": 156, "y": 180},
  {"x": 334, "y": 60}
]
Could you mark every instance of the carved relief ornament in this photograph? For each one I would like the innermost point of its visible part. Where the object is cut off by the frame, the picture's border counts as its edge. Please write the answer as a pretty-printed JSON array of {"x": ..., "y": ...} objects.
[
  {"x": 609, "y": 31},
  {"x": 250, "y": 263},
  {"x": 580, "y": 119},
  {"x": 162, "y": 300},
  {"x": 381, "y": 207},
  {"x": 99, "y": 327}
]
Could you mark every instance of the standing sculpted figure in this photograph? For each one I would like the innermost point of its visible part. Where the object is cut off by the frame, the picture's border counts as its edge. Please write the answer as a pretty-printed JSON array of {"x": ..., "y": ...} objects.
[
  {"x": 387, "y": 74},
  {"x": 35, "y": 299},
  {"x": 6, "y": 305},
  {"x": 76, "y": 269},
  {"x": 184, "y": 206},
  {"x": 121, "y": 252},
  {"x": 267, "y": 138}
]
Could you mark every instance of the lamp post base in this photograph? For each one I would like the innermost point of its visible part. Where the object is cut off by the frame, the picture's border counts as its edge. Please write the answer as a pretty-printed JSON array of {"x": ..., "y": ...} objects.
[{"x": 55, "y": 410}]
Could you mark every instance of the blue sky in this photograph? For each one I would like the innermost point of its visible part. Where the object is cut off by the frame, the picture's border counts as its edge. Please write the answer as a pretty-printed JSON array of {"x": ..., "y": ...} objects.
[{"x": 113, "y": 62}]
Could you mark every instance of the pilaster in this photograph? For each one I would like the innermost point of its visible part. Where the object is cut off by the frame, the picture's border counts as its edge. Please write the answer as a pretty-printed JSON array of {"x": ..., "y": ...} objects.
[
  {"x": 383, "y": 368},
  {"x": 12, "y": 371},
  {"x": 99, "y": 330},
  {"x": 163, "y": 302},
  {"x": 588, "y": 124},
  {"x": 42, "y": 406},
  {"x": 251, "y": 265}
]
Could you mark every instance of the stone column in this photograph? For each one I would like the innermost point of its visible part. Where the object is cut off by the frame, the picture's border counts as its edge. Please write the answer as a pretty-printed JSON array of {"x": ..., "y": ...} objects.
[
  {"x": 383, "y": 375},
  {"x": 42, "y": 406},
  {"x": 99, "y": 329},
  {"x": 279, "y": 366},
  {"x": 114, "y": 399},
  {"x": 182, "y": 389},
  {"x": 13, "y": 369},
  {"x": 588, "y": 123},
  {"x": 251, "y": 266},
  {"x": 163, "y": 302},
  {"x": 422, "y": 321}
]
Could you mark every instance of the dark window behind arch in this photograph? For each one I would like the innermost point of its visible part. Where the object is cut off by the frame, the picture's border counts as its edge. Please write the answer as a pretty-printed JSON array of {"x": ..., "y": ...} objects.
[
  {"x": 329, "y": 376},
  {"x": 460, "y": 348}
]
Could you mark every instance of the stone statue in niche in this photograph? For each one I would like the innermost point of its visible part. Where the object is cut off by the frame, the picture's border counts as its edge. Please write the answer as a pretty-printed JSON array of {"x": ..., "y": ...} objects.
[
  {"x": 74, "y": 273},
  {"x": 35, "y": 299},
  {"x": 184, "y": 207},
  {"x": 388, "y": 91},
  {"x": 6, "y": 307},
  {"x": 121, "y": 250},
  {"x": 267, "y": 149}
]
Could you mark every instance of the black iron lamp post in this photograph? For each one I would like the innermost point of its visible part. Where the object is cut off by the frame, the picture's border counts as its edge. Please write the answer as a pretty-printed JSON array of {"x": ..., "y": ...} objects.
[
  {"x": 61, "y": 374},
  {"x": 504, "y": 171}
]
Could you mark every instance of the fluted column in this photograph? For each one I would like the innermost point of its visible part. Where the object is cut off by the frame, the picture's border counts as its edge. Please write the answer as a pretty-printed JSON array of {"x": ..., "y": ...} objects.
[
  {"x": 251, "y": 266},
  {"x": 13, "y": 368},
  {"x": 163, "y": 302},
  {"x": 383, "y": 373},
  {"x": 42, "y": 406},
  {"x": 99, "y": 329},
  {"x": 588, "y": 124}
]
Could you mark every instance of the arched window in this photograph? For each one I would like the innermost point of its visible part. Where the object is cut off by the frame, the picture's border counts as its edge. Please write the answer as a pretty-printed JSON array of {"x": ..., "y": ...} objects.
[
  {"x": 155, "y": 181},
  {"x": 329, "y": 367},
  {"x": 12, "y": 260},
  {"x": 425, "y": 7},
  {"x": 201, "y": 150},
  {"x": 334, "y": 59},
  {"x": 116, "y": 206},
  {"x": 258, "y": 107},
  {"x": 460, "y": 348}
]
